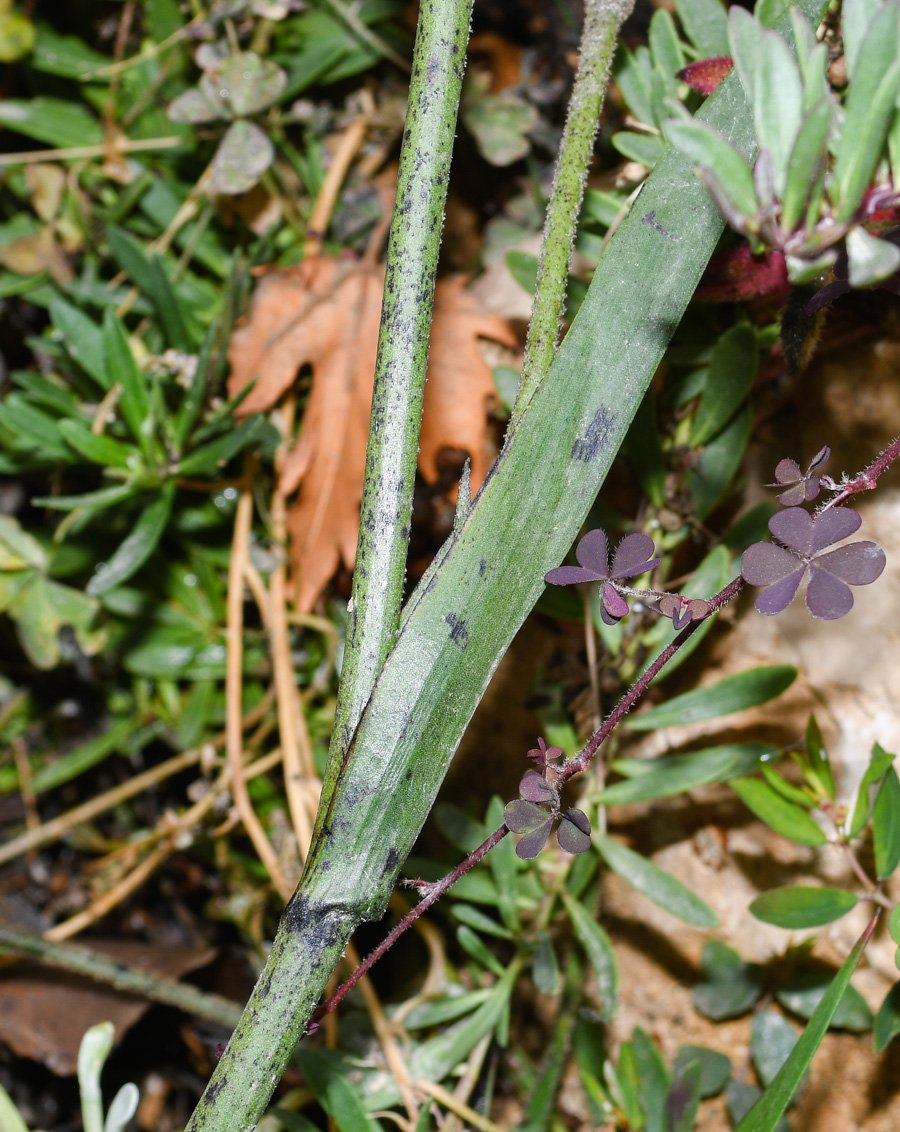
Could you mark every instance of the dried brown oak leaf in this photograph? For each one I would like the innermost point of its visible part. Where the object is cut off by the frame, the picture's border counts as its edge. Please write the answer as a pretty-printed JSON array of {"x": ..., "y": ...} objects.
[{"x": 325, "y": 313}]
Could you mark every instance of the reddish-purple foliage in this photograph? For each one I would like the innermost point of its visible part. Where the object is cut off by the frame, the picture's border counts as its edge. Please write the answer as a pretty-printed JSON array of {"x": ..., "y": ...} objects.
[
  {"x": 706, "y": 74},
  {"x": 537, "y": 810},
  {"x": 634, "y": 555},
  {"x": 780, "y": 566},
  {"x": 683, "y": 610},
  {"x": 802, "y": 487},
  {"x": 542, "y": 754}
]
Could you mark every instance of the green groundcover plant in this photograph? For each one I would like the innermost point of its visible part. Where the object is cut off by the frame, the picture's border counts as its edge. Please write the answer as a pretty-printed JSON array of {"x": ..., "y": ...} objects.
[{"x": 136, "y": 470}]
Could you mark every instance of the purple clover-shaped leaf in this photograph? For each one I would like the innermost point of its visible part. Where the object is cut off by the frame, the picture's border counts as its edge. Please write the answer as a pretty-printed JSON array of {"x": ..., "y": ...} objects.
[
  {"x": 542, "y": 754},
  {"x": 527, "y": 818},
  {"x": 683, "y": 610},
  {"x": 634, "y": 555},
  {"x": 535, "y": 788},
  {"x": 802, "y": 487},
  {"x": 781, "y": 568},
  {"x": 574, "y": 833}
]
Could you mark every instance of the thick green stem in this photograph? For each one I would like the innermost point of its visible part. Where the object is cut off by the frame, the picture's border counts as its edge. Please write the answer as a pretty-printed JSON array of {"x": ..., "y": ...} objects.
[
  {"x": 602, "y": 20},
  {"x": 413, "y": 246}
]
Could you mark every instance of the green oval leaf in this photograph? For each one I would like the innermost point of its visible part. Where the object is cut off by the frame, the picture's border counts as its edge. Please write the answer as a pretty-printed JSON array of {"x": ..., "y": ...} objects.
[
  {"x": 244, "y": 154},
  {"x": 887, "y": 1020},
  {"x": 708, "y": 149},
  {"x": 676, "y": 774},
  {"x": 802, "y": 906},
  {"x": 732, "y": 370},
  {"x": 886, "y": 825},
  {"x": 729, "y": 986},
  {"x": 656, "y": 884},
  {"x": 139, "y": 545},
  {"x": 734, "y": 693},
  {"x": 772, "y": 1040},
  {"x": 600, "y": 953},
  {"x": 784, "y": 817}
]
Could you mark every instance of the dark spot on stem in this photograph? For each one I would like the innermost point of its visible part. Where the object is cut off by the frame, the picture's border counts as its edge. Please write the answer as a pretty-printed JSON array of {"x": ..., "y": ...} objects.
[
  {"x": 459, "y": 634},
  {"x": 589, "y": 446}
]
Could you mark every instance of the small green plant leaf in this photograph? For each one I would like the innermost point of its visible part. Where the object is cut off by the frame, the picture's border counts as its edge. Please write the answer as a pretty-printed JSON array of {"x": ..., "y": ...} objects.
[
  {"x": 732, "y": 370},
  {"x": 243, "y": 84},
  {"x": 665, "y": 45},
  {"x": 83, "y": 339},
  {"x": 817, "y": 766},
  {"x": 886, "y": 825},
  {"x": 719, "y": 460},
  {"x": 706, "y": 25},
  {"x": 545, "y": 965},
  {"x": 244, "y": 154},
  {"x": 870, "y": 259},
  {"x": 328, "y": 1080},
  {"x": 683, "y": 1098},
  {"x": 708, "y": 149},
  {"x": 475, "y": 946},
  {"x": 656, "y": 884},
  {"x": 772, "y": 1040},
  {"x": 869, "y": 109},
  {"x": 777, "y": 103},
  {"x": 734, "y": 693},
  {"x": 767, "y": 1111},
  {"x": 802, "y": 906},
  {"x": 195, "y": 107},
  {"x": 499, "y": 122},
  {"x": 894, "y": 924},
  {"x": 784, "y": 817},
  {"x": 209, "y": 459},
  {"x": 480, "y": 921},
  {"x": 729, "y": 986},
  {"x": 95, "y": 1048},
  {"x": 804, "y": 990},
  {"x": 600, "y": 953},
  {"x": 138, "y": 546},
  {"x": 806, "y": 163},
  {"x": 887, "y": 1020},
  {"x": 100, "y": 448},
  {"x": 786, "y": 789},
  {"x": 625, "y": 1085},
  {"x": 654, "y": 1078},
  {"x": 745, "y": 36},
  {"x": 715, "y": 1067},
  {"x": 645, "y": 149},
  {"x": 123, "y": 368},
  {"x": 123, "y": 1107},
  {"x": 58, "y": 122},
  {"x": 879, "y": 763},
  {"x": 675, "y": 774},
  {"x": 856, "y": 18}
]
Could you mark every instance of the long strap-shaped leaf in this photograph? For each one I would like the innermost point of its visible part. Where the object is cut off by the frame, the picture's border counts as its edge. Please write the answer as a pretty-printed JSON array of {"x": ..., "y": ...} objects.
[{"x": 461, "y": 621}]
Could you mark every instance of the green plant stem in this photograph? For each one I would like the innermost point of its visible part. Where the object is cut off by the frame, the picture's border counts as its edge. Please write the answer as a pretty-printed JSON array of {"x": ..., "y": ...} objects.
[
  {"x": 413, "y": 246},
  {"x": 80, "y": 961},
  {"x": 315, "y": 928},
  {"x": 602, "y": 20}
]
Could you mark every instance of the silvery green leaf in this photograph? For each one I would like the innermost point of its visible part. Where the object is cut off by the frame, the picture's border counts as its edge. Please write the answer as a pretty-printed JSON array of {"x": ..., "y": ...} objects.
[
  {"x": 802, "y": 270},
  {"x": 243, "y": 84},
  {"x": 745, "y": 36},
  {"x": 856, "y": 17},
  {"x": 665, "y": 45},
  {"x": 806, "y": 163},
  {"x": 193, "y": 106},
  {"x": 870, "y": 259},
  {"x": 706, "y": 25},
  {"x": 715, "y": 154},
  {"x": 869, "y": 111},
  {"x": 124, "y": 1106},
  {"x": 777, "y": 103},
  {"x": 244, "y": 154}
]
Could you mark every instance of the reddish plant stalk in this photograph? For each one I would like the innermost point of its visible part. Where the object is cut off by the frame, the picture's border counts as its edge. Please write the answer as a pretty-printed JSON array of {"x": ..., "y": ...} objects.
[{"x": 866, "y": 479}]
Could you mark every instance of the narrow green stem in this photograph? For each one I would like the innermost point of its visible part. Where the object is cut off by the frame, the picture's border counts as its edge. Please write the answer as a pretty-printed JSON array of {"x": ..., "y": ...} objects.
[
  {"x": 123, "y": 978},
  {"x": 413, "y": 245},
  {"x": 602, "y": 20},
  {"x": 325, "y": 909}
]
